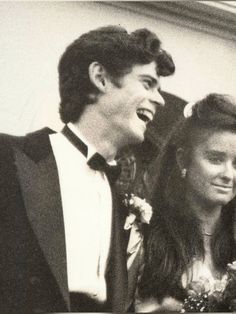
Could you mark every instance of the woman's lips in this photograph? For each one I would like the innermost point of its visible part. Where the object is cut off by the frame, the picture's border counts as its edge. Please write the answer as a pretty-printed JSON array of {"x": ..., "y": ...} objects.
[{"x": 223, "y": 187}]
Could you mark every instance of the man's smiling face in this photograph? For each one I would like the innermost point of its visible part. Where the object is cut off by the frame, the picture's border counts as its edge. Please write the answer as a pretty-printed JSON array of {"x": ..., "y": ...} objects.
[{"x": 133, "y": 104}]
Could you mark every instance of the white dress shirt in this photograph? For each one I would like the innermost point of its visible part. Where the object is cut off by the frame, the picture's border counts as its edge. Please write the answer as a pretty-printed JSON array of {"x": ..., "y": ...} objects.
[{"x": 87, "y": 209}]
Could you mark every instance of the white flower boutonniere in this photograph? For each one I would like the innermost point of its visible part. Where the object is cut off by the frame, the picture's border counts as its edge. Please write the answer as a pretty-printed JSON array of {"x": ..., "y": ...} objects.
[{"x": 139, "y": 211}]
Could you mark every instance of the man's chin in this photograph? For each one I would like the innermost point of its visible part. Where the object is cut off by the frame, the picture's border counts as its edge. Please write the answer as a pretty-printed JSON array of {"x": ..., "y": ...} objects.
[
  {"x": 138, "y": 138},
  {"x": 133, "y": 138}
]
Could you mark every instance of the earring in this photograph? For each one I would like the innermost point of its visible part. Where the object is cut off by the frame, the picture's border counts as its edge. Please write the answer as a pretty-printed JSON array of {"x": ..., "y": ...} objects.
[
  {"x": 92, "y": 98},
  {"x": 183, "y": 173}
]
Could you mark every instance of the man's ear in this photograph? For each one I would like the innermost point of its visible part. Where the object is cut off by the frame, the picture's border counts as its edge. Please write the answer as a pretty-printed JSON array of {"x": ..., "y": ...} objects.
[
  {"x": 181, "y": 158},
  {"x": 98, "y": 75}
]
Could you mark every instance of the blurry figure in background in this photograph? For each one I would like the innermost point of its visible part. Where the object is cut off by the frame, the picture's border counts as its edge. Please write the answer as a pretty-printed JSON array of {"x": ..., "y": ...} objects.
[
  {"x": 135, "y": 178},
  {"x": 191, "y": 243},
  {"x": 62, "y": 238}
]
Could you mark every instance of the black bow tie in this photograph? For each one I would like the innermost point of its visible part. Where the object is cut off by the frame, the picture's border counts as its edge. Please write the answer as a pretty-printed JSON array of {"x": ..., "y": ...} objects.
[{"x": 96, "y": 162}]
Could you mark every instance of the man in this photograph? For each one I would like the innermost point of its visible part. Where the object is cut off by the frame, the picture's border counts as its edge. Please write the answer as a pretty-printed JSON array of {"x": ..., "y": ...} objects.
[{"x": 62, "y": 241}]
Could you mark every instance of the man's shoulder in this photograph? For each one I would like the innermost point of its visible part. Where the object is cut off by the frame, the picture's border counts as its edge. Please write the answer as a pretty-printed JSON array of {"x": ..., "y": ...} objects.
[
  {"x": 8, "y": 138},
  {"x": 9, "y": 142},
  {"x": 11, "y": 139}
]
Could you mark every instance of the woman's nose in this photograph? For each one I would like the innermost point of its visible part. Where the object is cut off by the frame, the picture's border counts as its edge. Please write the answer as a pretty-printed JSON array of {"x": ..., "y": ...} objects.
[{"x": 229, "y": 171}]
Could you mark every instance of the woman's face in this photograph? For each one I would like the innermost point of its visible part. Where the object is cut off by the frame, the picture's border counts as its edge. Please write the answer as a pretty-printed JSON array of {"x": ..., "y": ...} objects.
[{"x": 211, "y": 171}]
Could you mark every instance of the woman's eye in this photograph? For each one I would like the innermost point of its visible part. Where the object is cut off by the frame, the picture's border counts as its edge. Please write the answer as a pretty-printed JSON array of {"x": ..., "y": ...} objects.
[{"x": 215, "y": 160}]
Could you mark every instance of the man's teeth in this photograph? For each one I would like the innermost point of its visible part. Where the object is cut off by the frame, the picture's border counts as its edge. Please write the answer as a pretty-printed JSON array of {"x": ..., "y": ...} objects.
[{"x": 145, "y": 115}]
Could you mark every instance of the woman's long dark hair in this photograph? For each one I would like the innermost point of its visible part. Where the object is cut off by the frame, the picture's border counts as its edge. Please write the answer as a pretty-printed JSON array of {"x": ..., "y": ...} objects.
[{"x": 174, "y": 237}]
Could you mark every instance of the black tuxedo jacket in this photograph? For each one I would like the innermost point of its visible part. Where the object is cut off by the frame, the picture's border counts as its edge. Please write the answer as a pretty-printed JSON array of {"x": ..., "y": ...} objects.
[{"x": 33, "y": 270}]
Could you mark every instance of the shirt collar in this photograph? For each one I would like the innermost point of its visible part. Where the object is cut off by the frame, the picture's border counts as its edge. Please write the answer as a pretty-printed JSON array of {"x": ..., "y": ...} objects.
[
  {"x": 91, "y": 149},
  {"x": 77, "y": 132}
]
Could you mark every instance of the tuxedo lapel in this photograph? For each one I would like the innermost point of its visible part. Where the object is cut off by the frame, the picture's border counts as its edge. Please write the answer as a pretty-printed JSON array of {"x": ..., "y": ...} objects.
[
  {"x": 117, "y": 270},
  {"x": 37, "y": 172},
  {"x": 38, "y": 176}
]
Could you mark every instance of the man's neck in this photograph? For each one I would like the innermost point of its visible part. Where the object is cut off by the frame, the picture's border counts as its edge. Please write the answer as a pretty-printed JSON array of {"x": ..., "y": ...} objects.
[{"x": 98, "y": 136}]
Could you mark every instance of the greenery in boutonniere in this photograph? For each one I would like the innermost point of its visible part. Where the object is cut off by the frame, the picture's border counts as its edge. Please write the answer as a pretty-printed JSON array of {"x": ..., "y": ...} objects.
[{"x": 222, "y": 298}]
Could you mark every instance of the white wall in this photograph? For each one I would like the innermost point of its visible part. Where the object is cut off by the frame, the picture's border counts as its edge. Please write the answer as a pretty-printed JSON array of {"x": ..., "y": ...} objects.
[{"x": 33, "y": 35}]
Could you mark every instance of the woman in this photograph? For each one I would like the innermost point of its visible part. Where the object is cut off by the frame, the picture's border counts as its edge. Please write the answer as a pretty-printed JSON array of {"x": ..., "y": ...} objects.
[{"x": 191, "y": 237}]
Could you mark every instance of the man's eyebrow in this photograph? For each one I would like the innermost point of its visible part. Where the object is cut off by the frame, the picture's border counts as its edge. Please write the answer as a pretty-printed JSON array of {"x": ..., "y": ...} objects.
[{"x": 151, "y": 78}]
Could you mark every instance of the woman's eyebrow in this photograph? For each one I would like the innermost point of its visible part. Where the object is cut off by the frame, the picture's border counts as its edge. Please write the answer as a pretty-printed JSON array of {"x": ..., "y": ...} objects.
[{"x": 214, "y": 152}]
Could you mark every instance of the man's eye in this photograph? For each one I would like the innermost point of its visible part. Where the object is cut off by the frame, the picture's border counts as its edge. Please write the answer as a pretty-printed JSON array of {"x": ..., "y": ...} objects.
[{"x": 147, "y": 84}]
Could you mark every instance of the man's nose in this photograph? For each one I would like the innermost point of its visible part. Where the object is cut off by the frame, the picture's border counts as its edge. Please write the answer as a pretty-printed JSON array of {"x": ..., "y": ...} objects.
[{"x": 156, "y": 98}]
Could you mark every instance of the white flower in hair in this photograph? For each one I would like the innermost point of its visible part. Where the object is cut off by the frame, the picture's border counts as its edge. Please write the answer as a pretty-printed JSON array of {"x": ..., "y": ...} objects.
[{"x": 188, "y": 109}]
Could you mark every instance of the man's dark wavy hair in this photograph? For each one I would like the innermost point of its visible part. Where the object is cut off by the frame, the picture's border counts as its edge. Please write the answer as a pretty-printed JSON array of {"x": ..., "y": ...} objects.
[
  {"x": 175, "y": 237},
  {"x": 117, "y": 51}
]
